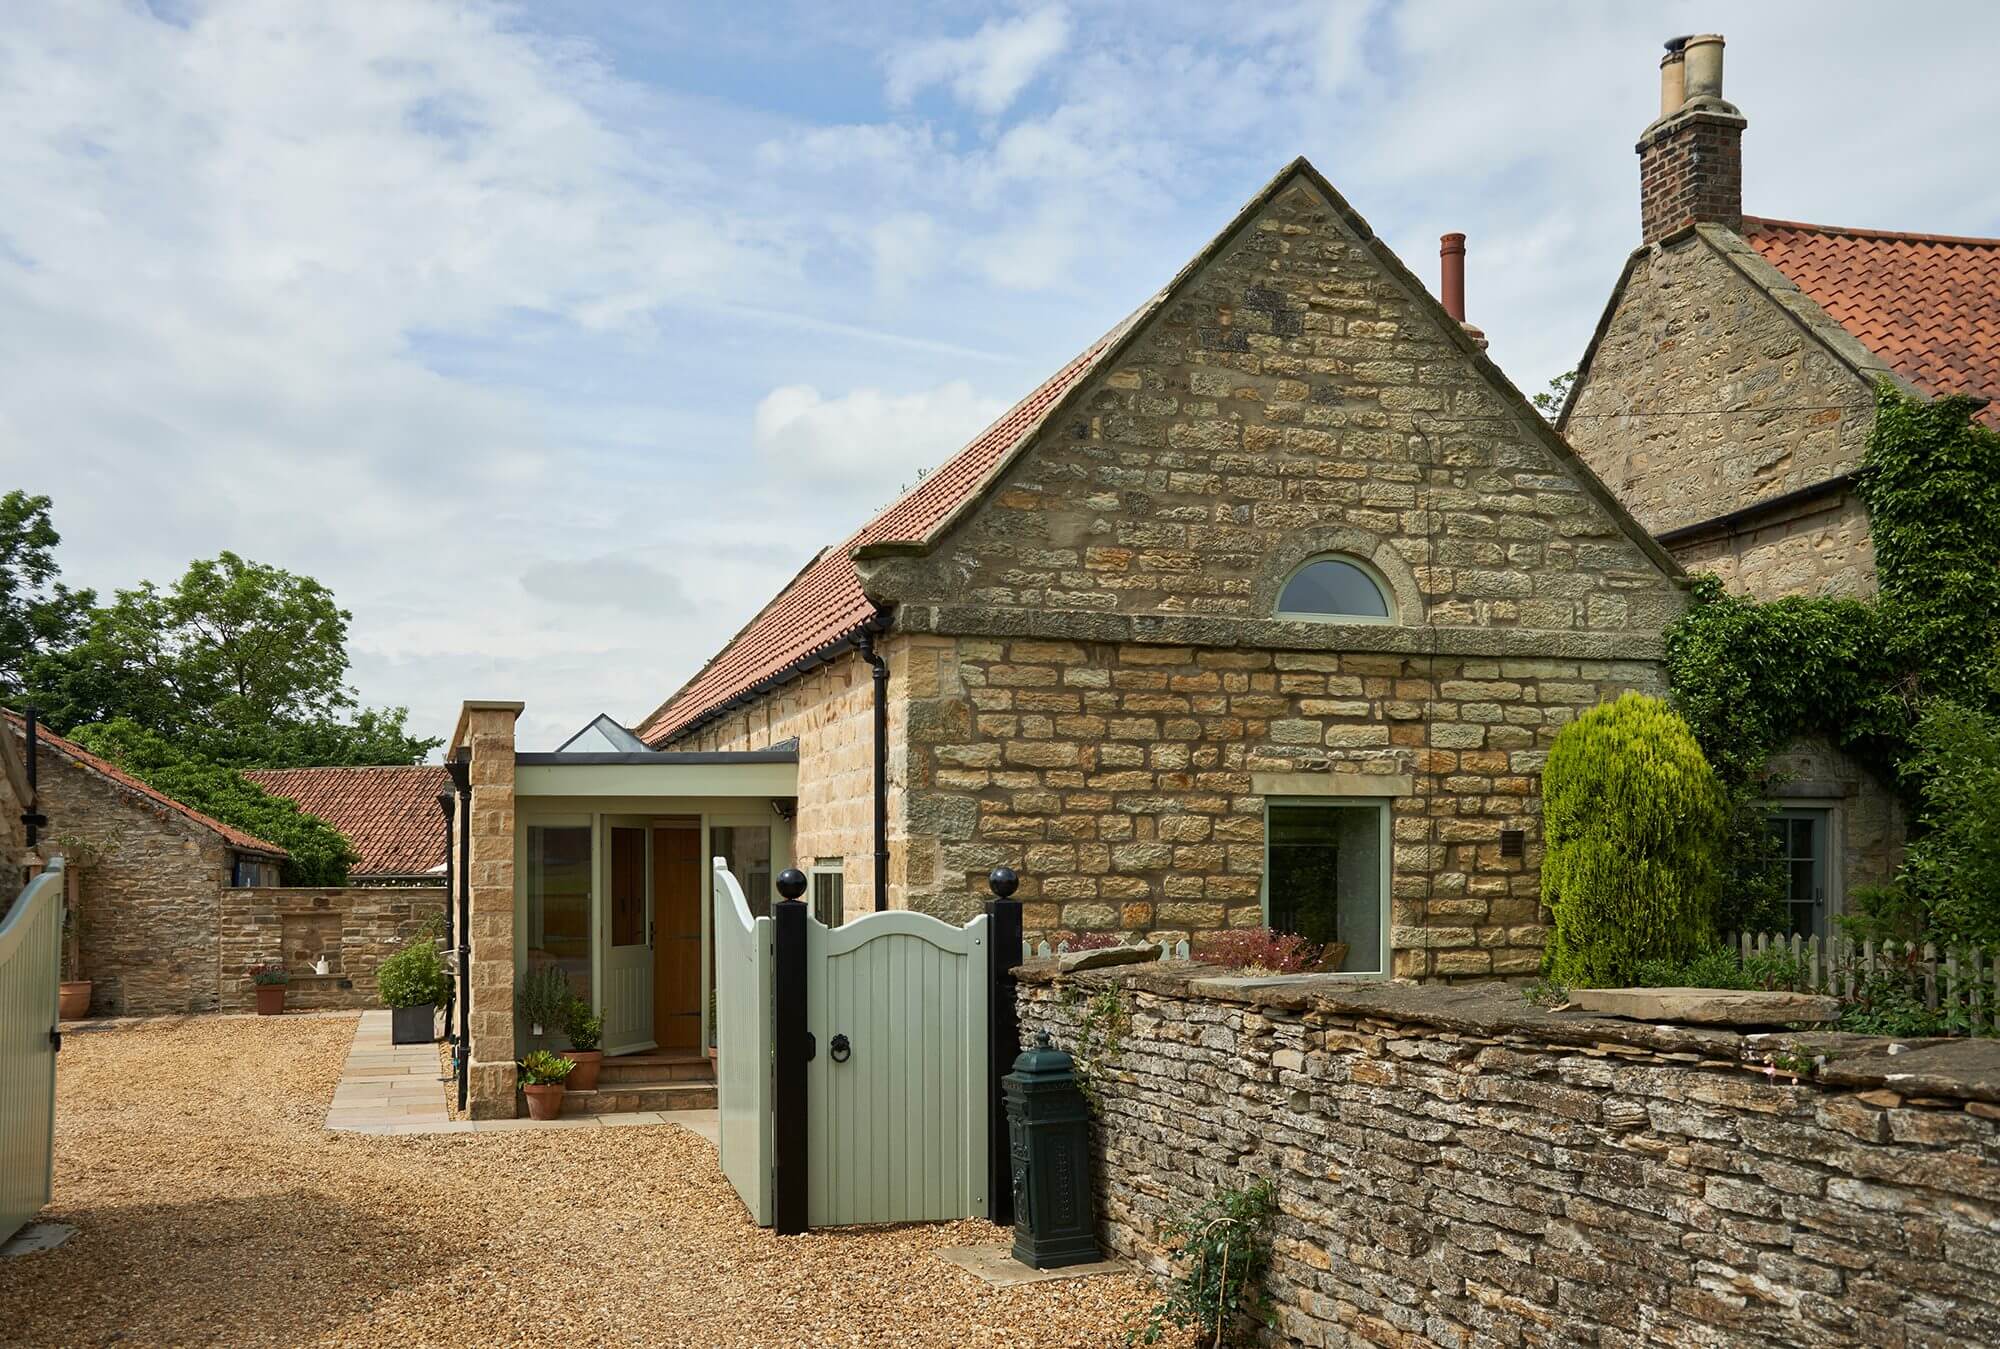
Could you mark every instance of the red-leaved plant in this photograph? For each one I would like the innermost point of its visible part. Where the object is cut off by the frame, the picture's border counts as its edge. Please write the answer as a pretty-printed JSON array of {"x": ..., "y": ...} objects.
[
  {"x": 1090, "y": 941},
  {"x": 1256, "y": 948}
]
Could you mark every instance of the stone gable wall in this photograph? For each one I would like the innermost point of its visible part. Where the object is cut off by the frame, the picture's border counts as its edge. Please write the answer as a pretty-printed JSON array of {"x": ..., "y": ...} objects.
[
  {"x": 1126, "y": 783},
  {"x": 1818, "y": 548},
  {"x": 150, "y": 893},
  {"x": 1452, "y": 1166},
  {"x": 1293, "y": 399},
  {"x": 356, "y": 928},
  {"x": 1691, "y": 334}
]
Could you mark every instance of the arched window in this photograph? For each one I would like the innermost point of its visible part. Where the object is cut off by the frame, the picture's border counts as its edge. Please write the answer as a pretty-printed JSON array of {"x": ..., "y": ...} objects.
[{"x": 1334, "y": 588}]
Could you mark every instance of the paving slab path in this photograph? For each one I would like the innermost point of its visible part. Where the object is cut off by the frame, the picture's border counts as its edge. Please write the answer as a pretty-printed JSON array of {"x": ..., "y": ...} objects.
[{"x": 213, "y": 1204}]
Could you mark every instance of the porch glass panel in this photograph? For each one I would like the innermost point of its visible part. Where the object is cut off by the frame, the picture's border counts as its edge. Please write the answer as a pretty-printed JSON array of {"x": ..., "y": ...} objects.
[
  {"x": 558, "y": 889},
  {"x": 746, "y": 849}
]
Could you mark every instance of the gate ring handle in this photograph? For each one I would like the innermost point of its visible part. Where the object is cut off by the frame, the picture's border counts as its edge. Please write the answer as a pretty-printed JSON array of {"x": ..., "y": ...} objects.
[{"x": 841, "y": 1050}]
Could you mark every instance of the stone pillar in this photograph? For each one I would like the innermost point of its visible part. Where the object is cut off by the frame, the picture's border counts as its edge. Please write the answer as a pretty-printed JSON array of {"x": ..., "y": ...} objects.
[{"x": 486, "y": 732}]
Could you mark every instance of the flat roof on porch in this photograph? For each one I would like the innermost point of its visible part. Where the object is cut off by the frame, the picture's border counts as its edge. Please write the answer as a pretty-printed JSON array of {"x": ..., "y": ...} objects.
[{"x": 760, "y": 772}]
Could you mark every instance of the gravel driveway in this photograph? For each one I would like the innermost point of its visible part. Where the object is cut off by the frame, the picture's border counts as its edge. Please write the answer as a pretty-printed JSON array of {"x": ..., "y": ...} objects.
[{"x": 214, "y": 1208}]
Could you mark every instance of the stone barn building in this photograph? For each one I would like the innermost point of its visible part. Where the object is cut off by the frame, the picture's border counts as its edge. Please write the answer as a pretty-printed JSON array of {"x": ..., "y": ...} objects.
[
  {"x": 1263, "y": 609},
  {"x": 1727, "y": 398}
]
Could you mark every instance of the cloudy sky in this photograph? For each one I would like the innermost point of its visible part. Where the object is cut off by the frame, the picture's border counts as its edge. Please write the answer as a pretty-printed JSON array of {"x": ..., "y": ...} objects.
[{"x": 554, "y": 337}]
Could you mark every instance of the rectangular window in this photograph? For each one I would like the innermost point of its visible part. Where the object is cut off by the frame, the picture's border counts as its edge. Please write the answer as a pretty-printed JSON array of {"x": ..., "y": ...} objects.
[
  {"x": 628, "y": 886},
  {"x": 1801, "y": 837},
  {"x": 829, "y": 891},
  {"x": 558, "y": 890},
  {"x": 746, "y": 848},
  {"x": 1325, "y": 876}
]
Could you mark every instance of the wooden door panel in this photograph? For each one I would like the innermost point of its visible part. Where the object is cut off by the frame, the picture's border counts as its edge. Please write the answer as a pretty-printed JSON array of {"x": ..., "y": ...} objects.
[{"x": 677, "y": 937}]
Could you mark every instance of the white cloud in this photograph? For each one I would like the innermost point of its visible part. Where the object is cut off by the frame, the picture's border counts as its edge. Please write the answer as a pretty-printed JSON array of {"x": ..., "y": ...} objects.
[
  {"x": 867, "y": 441},
  {"x": 608, "y": 582},
  {"x": 987, "y": 70}
]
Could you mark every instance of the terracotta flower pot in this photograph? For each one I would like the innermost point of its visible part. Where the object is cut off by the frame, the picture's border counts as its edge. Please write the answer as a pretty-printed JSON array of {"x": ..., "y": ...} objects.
[
  {"x": 270, "y": 999},
  {"x": 584, "y": 1077},
  {"x": 73, "y": 999},
  {"x": 544, "y": 1102}
]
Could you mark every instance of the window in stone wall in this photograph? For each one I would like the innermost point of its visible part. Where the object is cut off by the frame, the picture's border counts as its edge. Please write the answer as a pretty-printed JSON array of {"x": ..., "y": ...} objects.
[
  {"x": 829, "y": 883},
  {"x": 1326, "y": 876},
  {"x": 1335, "y": 588}
]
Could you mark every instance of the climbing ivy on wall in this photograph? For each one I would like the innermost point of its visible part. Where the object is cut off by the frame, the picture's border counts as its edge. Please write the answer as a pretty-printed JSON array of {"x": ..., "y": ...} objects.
[{"x": 1876, "y": 677}]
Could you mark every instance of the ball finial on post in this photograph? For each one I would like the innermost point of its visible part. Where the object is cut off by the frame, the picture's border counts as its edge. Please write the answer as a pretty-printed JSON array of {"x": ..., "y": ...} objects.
[
  {"x": 1003, "y": 882},
  {"x": 791, "y": 882}
]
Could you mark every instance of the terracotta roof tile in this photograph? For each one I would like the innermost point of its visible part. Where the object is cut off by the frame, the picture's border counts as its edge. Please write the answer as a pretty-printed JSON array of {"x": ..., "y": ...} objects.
[
  {"x": 69, "y": 749},
  {"x": 1928, "y": 305},
  {"x": 824, "y": 604},
  {"x": 389, "y": 813}
]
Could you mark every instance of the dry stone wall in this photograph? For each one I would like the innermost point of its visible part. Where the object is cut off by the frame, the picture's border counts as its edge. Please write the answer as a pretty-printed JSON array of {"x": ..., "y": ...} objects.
[
  {"x": 355, "y": 929},
  {"x": 1455, "y": 1167}
]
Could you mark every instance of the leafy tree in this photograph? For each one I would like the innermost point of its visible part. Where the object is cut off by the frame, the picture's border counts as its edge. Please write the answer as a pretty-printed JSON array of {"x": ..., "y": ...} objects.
[
  {"x": 38, "y": 613},
  {"x": 1634, "y": 823},
  {"x": 319, "y": 855},
  {"x": 1953, "y": 864},
  {"x": 240, "y": 662},
  {"x": 1549, "y": 402}
]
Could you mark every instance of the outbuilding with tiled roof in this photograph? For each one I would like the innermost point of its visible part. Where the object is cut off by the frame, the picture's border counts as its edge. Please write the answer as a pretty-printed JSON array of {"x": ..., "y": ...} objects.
[{"x": 389, "y": 813}]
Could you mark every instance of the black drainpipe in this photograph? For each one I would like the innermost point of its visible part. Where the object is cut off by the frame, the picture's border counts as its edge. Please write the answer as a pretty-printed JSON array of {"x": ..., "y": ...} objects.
[
  {"x": 461, "y": 778},
  {"x": 444, "y": 800},
  {"x": 32, "y": 816},
  {"x": 865, "y": 644}
]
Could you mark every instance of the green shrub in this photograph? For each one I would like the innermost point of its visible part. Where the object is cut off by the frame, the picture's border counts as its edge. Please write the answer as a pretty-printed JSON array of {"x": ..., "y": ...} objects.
[
  {"x": 1634, "y": 822},
  {"x": 543, "y": 1069},
  {"x": 1720, "y": 967},
  {"x": 1217, "y": 1289},
  {"x": 414, "y": 976},
  {"x": 1953, "y": 863},
  {"x": 584, "y": 1027}
]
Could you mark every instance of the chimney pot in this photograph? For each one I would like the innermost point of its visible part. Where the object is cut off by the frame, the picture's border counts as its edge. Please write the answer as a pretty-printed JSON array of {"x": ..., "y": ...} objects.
[
  {"x": 1451, "y": 266},
  {"x": 1673, "y": 81},
  {"x": 1704, "y": 66},
  {"x": 1691, "y": 159}
]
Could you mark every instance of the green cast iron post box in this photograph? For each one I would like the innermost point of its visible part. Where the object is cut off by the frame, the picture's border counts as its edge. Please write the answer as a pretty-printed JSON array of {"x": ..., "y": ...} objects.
[{"x": 1048, "y": 1136}]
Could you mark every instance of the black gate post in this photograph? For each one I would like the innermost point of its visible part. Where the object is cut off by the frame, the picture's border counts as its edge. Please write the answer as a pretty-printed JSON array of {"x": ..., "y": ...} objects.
[
  {"x": 1003, "y": 1035},
  {"x": 792, "y": 1049}
]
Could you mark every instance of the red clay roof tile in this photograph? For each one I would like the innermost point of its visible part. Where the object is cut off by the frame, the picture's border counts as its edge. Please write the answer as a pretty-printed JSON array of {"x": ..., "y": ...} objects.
[
  {"x": 69, "y": 749},
  {"x": 824, "y": 604},
  {"x": 1927, "y": 304},
  {"x": 389, "y": 813}
]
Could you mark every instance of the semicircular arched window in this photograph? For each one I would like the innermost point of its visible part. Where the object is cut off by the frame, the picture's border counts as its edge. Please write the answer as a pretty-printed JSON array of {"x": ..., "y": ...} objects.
[{"x": 1333, "y": 589}]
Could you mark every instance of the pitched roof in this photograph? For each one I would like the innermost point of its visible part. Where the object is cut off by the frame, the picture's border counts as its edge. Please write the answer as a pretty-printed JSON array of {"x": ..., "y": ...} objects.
[
  {"x": 389, "y": 813},
  {"x": 69, "y": 749},
  {"x": 824, "y": 605},
  {"x": 1927, "y": 304}
]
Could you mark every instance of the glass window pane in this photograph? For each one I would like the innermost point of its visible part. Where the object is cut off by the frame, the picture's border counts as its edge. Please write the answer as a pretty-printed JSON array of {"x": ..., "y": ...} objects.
[
  {"x": 829, "y": 896},
  {"x": 558, "y": 886},
  {"x": 1331, "y": 586},
  {"x": 1324, "y": 878},
  {"x": 746, "y": 848},
  {"x": 628, "y": 886}
]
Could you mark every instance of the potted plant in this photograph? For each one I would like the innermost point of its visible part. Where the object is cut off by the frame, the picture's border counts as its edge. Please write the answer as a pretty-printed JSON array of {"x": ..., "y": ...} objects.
[
  {"x": 270, "y": 980},
  {"x": 543, "y": 1076},
  {"x": 585, "y": 1030},
  {"x": 413, "y": 982}
]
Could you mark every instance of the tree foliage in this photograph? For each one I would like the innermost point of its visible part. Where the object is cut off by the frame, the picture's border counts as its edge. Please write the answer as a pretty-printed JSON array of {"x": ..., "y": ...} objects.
[
  {"x": 38, "y": 613},
  {"x": 319, "y": 855},
  {"x": 1633, "y": 820},
  {"x": 1953, "y": 865}
]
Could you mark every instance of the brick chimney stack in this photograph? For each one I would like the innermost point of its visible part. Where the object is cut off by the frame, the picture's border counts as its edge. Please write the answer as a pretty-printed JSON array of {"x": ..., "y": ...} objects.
[{"x": 1691, "y": 159}]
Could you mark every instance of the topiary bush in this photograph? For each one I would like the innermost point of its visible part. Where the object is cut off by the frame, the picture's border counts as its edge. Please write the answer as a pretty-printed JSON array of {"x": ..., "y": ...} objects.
[
  {"x": 414, "y": 976},
  {"x": 1634, "y": 822}
]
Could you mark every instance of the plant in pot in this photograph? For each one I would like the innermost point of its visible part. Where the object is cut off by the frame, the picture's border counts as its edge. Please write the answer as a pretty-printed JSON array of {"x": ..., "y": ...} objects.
[
  {"x": 74, "y": 992},
  {"x": 545, "y": 994},
  {"x": 413, "y": 982},
  {"x": 271, "y": 980},
  {"x": 585, "y": 1030},
  {"x": 543, "y": 1076}
]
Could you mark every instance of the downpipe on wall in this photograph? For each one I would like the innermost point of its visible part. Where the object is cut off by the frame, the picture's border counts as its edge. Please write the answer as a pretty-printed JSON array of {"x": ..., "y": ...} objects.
[{"x": 865, "y": 645}]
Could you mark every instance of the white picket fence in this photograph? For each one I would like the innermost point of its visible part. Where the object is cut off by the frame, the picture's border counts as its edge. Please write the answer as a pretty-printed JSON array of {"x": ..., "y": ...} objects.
[
  {"x": 30, "y": 966},
  {"x": 1965, "y": 978},
  {"x": 1169, "y": 950}
]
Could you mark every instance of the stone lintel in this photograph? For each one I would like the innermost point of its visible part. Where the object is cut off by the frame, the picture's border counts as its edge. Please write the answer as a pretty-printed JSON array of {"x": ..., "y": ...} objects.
[{"x": 1332, "y": 784}]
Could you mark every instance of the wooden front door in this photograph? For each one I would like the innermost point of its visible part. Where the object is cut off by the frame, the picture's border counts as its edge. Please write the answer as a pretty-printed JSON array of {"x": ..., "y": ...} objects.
[{"x": 677, "y": 940}]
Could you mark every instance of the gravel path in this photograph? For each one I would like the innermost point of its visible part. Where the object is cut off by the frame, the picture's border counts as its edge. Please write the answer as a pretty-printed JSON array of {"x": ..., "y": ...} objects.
[{"x": 214, "y": 1208}]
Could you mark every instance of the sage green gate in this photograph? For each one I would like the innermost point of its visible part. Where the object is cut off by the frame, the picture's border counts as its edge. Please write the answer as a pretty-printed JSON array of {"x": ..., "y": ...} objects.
[
  {"x": 897, "y": 1005},
  {"x": 30, "y": 967},
  {"x": 743, "y": 1044}
]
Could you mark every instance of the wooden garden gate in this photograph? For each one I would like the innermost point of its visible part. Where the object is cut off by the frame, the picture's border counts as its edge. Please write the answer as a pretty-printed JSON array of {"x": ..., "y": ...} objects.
[
  {"x": 30, "y": 967},
  {"x": 858, "y": 1066}
]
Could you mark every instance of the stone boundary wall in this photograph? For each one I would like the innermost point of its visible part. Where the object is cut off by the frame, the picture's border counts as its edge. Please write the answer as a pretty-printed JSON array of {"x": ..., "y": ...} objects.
[
  {"x": 355, "y": 928},
  {"x": 1455, "y": 1166}
]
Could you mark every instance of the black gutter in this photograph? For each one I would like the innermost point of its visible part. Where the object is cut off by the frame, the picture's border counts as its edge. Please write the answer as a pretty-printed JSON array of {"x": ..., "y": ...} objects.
[
  {"x": 461, "y": 778},
  {"x": 1727, "y": 523},
  {"x": 445, "y": 804},
  {"x": 812, "y": 660},
  {"x": 659, "y": 758},
  {"x": 865, "y": 645}
]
